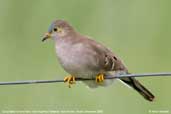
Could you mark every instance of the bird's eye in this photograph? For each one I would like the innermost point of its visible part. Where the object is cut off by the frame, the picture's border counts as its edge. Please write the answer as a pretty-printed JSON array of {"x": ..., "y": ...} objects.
[{"x": 55, "y": 29}]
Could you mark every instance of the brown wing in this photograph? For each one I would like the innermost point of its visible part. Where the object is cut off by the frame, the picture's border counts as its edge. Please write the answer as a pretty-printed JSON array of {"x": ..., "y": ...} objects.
[
  {"x": 113, "y": 63},
  {"x": 108, "y": 61}
]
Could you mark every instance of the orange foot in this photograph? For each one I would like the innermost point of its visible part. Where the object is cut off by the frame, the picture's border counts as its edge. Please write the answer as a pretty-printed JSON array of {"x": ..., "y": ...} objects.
[
  {"x": 70, "y": 80},
  {"x": 100, "y": 78}
]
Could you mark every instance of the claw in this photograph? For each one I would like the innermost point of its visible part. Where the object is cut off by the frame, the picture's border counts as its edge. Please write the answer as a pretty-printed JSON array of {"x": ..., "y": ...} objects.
[
  {"x": 70, "y": 80},
  {"x": 99, "y": 78}
]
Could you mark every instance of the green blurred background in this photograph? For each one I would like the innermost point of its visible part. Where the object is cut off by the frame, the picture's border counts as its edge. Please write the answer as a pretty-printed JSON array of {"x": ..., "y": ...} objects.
[{"x": 139, "y": 31}]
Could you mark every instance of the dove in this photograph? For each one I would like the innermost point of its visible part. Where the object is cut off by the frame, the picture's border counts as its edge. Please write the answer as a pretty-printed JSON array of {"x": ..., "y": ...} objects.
[{"x": 83, "y": 57}]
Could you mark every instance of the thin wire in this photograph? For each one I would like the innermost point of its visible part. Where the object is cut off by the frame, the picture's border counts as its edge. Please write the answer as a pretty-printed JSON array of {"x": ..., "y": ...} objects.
[{"x": 83, "y": 79}]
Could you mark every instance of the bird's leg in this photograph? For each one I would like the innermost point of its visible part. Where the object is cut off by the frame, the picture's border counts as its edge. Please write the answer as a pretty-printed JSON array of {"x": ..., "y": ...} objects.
[
  {"x": 70, "y": 80},
  {"x": 100, "y": 78}
]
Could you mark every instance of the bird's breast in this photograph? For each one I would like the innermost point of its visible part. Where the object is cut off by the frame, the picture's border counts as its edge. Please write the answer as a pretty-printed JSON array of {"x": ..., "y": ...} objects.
[{"x": 75, "y": 60}]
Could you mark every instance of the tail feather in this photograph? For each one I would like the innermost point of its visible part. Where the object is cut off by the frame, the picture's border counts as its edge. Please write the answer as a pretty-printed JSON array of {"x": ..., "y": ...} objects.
[{"x": 139, "y": 88}]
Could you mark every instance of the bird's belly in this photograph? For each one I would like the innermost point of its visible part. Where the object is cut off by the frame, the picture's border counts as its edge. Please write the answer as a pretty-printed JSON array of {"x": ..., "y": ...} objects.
[
  {"x": 77, "y": 68},
  {"x": 76, "y": 64}
]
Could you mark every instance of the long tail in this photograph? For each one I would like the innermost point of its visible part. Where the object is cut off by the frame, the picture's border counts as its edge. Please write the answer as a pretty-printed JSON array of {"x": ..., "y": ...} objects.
[{"x": 138, "y": 87}]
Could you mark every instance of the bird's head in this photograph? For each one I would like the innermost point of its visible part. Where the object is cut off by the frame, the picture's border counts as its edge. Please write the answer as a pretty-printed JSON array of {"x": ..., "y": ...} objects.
[{"x": 58, "y": 29}]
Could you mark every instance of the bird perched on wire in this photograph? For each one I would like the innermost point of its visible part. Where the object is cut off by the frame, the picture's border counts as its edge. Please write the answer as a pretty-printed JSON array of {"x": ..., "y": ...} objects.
[{"x": 83, "y": 57}]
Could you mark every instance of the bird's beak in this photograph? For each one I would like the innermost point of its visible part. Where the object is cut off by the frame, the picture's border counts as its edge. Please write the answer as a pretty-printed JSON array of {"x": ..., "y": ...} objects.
[{"x": 46, "y": 36}]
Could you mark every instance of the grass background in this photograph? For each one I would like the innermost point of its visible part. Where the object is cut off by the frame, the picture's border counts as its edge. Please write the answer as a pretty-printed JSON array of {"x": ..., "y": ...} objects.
[{"x": 138, "y": 31}]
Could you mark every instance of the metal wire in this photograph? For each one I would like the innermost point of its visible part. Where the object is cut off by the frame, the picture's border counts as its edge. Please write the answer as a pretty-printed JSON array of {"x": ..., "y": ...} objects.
[{"x": 83, "y": 79}]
